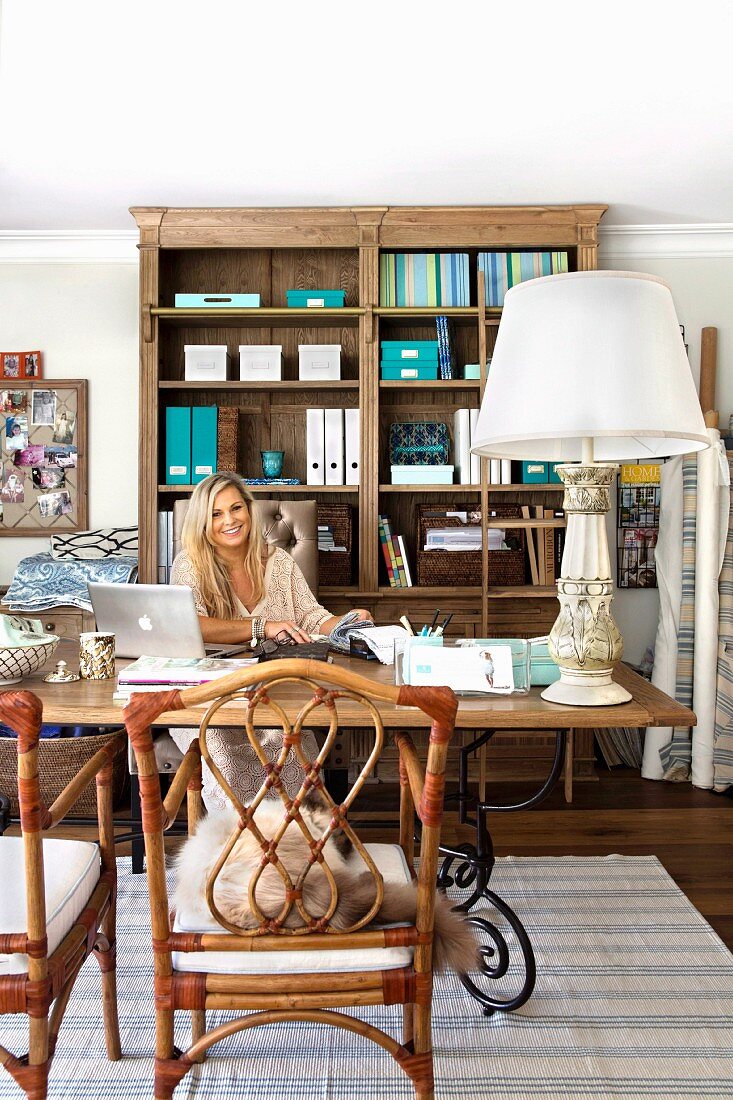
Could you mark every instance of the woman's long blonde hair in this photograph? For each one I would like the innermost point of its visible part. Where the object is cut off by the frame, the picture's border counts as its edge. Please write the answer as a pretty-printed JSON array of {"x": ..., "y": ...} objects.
[{"x": 211, "y": 573}]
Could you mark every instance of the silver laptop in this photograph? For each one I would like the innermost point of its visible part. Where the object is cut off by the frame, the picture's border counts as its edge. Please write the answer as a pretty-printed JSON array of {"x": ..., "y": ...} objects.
[{"x": 154, "y": 620}]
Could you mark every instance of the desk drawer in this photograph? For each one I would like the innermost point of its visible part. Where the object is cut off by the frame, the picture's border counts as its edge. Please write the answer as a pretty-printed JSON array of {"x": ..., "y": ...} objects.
[{"x": 66, "y": 622}]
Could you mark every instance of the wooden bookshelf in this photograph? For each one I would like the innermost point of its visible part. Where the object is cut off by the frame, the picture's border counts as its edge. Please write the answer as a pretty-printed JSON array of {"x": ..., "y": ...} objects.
[{"x": 272, "y": 250}]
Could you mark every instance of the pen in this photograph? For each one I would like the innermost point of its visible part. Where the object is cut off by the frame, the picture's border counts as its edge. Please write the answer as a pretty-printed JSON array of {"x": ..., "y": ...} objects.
[
  {"x": 424, "y": 632},
  {"x": 431, "y": 628},
  {"x": 407, "y": 624},
  {"x": 443, "y": 625}
]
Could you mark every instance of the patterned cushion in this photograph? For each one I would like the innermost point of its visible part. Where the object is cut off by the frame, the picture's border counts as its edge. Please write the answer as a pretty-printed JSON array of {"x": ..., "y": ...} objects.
[{"x": 107, "y": 542}]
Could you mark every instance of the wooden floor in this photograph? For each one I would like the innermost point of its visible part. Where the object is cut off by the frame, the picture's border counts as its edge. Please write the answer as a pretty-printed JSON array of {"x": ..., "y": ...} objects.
[{"x": 689, "y": 830}]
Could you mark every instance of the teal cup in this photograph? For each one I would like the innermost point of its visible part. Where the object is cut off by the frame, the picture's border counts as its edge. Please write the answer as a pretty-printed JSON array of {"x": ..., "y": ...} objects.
[{"x": 272, "y": 463}]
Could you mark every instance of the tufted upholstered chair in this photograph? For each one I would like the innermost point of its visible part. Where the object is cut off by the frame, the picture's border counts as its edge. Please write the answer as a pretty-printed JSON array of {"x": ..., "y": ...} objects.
[
  {"x": 58, "y": 902},
  {"x": 290, "y": 961},
  {"x": 290, "y": 524}
]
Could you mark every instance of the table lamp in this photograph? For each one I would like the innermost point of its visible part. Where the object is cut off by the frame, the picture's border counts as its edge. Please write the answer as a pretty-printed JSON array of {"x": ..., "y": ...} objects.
[{"x": 589, "y": 369}]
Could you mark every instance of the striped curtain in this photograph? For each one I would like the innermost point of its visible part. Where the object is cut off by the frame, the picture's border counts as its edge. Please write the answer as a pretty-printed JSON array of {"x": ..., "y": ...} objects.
[
  {"x": 676, "y": 756},
  {"x": 723, "y": 742}
]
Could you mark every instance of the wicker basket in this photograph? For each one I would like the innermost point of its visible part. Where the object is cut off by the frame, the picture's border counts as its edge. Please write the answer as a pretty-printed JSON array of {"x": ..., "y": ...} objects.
[
  {"x": 463, "y": 567},
  {"x": 336, "y": 569},
  {"x": 227, "y": 438},
  {"x": 59, "y": 760}
]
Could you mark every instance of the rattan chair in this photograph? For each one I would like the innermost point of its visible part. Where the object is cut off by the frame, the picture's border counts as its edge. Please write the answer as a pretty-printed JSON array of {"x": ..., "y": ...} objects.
[
  {"x": 385, "y": 965},
  {"x": 62, "y": 892}
]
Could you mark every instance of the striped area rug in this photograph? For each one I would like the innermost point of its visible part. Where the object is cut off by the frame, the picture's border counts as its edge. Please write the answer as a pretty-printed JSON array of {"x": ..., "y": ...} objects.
[{"x": 634, "y": 999}]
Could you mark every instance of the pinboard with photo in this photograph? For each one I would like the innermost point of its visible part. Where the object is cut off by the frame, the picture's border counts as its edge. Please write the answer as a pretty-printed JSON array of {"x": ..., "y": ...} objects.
[{"x": 43, "y": 453}]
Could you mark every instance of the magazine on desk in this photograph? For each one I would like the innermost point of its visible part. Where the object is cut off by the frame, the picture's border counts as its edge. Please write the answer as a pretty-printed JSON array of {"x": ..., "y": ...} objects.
[{"x": 161, "y": 673}]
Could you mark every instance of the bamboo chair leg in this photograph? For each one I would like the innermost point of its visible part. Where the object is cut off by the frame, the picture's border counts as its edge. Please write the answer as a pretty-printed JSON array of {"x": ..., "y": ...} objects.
[
  {"x": 408, "y": 1030},
  {"x": 109, "y": 1010},
  {"x": 198, "y": 1030},
  {"x": 423, "y": 1045},
  {"x": 164, "y": 1023},
  {"x": 38, "y": 1056}
]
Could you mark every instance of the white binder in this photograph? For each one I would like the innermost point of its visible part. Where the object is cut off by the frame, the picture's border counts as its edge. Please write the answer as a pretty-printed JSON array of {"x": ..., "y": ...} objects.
[
  {"x": 461, "y": 445},
  {"x": 351, "y": 446},
  {"x": 495, "y": 471},
  {"x": 475, "y": 459},
  {"x": 315, "y": 444},
  {"x": 506, "y": 471},
  {"x": 334, "y": 452}
]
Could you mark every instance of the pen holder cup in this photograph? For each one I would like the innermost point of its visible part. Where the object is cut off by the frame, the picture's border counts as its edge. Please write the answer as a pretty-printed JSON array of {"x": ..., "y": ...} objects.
[{"x": 402, "y": 653}]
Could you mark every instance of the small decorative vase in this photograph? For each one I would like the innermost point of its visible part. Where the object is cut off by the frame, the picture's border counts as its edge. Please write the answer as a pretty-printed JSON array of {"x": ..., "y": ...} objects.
[{"x": 272, "y": 463}]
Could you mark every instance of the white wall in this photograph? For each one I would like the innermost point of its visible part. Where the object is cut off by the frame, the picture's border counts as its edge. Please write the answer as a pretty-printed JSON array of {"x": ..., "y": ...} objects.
[
  {"x": 702, "y": 288},
  {"x": 83, "y": 317}
]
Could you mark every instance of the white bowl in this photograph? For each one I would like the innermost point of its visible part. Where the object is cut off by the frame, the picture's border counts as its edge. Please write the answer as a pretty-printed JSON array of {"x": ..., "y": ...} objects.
[{"x": 19, "y": 661}]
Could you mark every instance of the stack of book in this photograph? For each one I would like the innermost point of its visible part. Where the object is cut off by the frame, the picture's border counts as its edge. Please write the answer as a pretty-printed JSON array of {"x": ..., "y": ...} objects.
[
  {"x": 545, "y": 545},
  {"x": 326, "y": 540},
  {"x": 446, "y": 357},
  {"x": 395, "y": 558},
  {"x": 467, "y": 465},
  {"x": 165, "y": 546},
  {"x": 467, "y": 537},
  {"x": 162, "y": 673},
  {"x": 424, "y": 279},
  {"x": 503, "y": 270}
]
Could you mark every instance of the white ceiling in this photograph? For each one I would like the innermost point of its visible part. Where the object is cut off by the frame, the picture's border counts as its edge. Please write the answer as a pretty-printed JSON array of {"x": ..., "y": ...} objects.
[{"x": 105, "y": 105}]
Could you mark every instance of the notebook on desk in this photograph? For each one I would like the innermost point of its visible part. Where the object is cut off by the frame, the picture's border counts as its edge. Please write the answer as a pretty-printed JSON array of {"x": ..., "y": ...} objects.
[{"x": 154, "y": 620}]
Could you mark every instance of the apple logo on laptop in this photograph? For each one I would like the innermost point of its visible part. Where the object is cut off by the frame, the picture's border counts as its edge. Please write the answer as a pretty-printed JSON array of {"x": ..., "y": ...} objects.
[{"x": 144, "y": 622}]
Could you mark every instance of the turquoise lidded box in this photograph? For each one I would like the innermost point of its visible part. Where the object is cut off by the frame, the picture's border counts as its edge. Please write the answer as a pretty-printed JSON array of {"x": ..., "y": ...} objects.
[
  {"x": 422, "y": 351},
  {"x": 316, "y": 299},
  {"x": 217, "y": 301},
  {"x": 409, "y": 371}
]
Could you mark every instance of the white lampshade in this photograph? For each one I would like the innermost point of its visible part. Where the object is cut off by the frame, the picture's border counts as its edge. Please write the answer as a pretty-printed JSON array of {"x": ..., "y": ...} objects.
[{"x": 594, "y": 354}]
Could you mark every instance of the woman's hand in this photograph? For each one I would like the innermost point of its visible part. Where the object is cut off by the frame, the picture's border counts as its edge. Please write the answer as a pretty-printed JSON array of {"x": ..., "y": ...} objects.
[
  {"x": 273, "y": 628},
  {"x": 362, "y": 616}
]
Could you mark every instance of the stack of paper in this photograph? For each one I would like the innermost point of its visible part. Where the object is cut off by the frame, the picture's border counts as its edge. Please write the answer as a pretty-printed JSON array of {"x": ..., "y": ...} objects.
[{"x": 160, "y": 673}]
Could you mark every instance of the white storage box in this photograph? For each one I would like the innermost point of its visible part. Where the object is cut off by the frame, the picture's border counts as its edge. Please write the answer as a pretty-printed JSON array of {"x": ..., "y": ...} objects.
[
  {"x": 319, "y": 362},
  {"x": 261, "y": 362},
  {"x": 206, "y": 362}
]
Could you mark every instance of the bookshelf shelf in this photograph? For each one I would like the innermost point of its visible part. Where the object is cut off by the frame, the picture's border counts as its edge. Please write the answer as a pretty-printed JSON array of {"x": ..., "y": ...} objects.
[
  {"x": 262, "y": 317},
  {"x": 419, "y": 592},
  {"x": 274, "y": 490},
  {"x": 235, "y": 386},
  {"x": 432, "y": 489},
  {"x": 445, "y": 384}
]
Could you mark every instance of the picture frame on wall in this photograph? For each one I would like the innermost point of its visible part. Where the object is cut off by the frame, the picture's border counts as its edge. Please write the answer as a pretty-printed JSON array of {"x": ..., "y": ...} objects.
[
  {"x": 17, "y": 365},
  {"x": 43, "y": 457}
]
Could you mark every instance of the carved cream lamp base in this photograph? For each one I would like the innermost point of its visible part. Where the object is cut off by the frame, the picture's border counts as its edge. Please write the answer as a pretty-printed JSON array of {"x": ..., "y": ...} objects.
[
  {"x": 585, "y": 641},
  {"x": 586, "y": 689}
]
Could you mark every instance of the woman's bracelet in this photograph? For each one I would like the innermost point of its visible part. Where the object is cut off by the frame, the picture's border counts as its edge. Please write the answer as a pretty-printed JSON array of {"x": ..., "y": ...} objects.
[{"x": 258, "y": 632}]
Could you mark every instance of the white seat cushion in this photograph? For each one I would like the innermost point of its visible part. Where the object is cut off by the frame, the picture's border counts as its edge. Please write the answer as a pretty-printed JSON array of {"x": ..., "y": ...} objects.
[
  {"x": 71, "y": 871},
  {"x": 391, "y": 863}
]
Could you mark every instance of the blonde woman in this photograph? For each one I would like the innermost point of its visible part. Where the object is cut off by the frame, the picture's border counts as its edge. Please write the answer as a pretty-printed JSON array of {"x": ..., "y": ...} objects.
[{"x": 244, "y": 591}]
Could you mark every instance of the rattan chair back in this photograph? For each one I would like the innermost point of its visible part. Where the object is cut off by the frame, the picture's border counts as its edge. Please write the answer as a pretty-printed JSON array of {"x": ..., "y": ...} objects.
[
  {"x": 294, "y": 695},
  {"x": 42, "y": 993}
]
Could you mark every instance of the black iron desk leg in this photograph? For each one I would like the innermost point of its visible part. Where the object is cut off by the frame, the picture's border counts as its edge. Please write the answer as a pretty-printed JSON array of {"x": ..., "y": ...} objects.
[{"x": 470, "y": 865}]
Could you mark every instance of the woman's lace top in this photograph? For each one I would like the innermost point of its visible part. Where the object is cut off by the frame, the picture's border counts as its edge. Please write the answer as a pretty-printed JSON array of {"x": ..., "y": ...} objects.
[{"x": 287, "y": 595}]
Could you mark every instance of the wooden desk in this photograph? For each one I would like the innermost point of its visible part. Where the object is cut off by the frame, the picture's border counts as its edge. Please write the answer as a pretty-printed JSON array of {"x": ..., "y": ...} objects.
[{"x": 90, "y": 702}]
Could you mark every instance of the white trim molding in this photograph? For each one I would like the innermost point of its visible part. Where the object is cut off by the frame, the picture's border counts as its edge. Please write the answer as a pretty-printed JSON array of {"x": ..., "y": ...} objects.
[
  {"x": 73, "y": 246},
  {"x": 666, "y": 241},
  {"x": 93, "y": 246}
]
